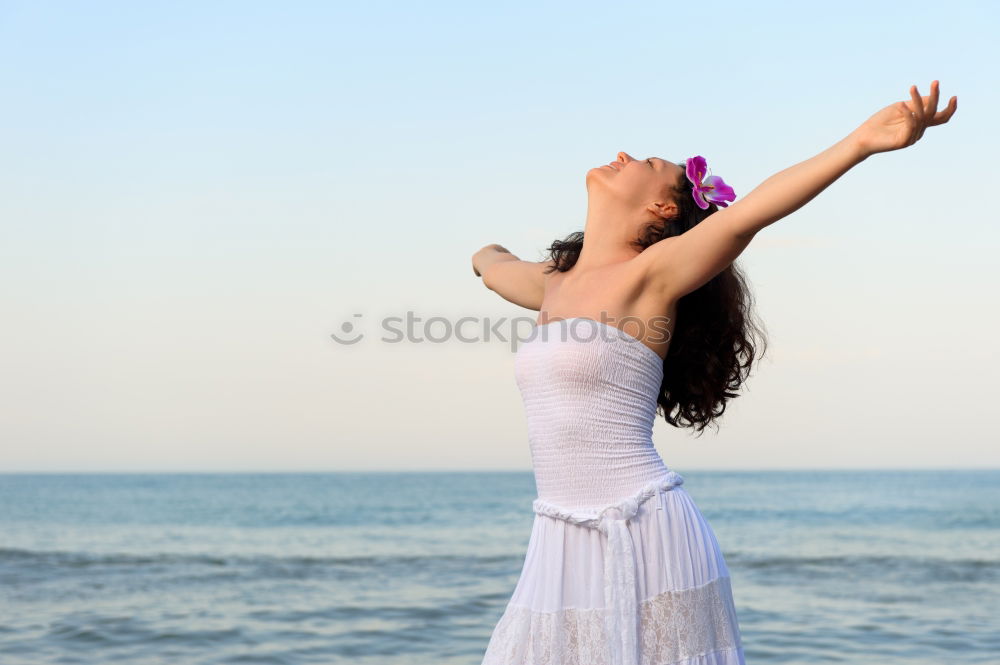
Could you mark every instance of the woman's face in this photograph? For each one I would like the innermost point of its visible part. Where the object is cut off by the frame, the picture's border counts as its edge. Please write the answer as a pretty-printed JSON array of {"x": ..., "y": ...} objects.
[{"x": 635, "y": 183}]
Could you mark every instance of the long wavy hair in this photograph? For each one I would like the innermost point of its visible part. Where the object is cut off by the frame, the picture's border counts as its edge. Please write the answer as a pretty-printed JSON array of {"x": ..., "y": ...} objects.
[{"x": 716, "y": 334}]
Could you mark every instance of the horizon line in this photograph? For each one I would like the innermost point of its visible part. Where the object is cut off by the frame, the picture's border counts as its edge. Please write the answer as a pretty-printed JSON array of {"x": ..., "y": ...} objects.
[{"x": 470, "y": 470}]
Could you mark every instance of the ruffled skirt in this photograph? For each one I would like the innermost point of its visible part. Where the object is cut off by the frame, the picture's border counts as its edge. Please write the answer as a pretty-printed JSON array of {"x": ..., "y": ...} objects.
[{"x": 643, "y": 583}]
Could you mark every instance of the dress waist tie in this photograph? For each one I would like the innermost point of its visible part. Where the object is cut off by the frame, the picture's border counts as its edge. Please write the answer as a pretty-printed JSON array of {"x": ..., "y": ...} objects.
[{"x": 620, "y": 593}]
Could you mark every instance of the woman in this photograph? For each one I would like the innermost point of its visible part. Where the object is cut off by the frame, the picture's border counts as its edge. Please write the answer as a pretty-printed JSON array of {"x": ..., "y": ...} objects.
[{"x": 643, "y": 313}]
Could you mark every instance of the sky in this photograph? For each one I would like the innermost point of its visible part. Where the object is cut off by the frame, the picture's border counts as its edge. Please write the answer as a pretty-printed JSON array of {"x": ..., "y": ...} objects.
[{"x": 195, "y": 196}]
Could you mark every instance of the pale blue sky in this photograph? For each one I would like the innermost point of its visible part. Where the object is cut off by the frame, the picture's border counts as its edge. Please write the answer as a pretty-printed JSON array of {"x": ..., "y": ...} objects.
[{"x": 195, "y": 195}]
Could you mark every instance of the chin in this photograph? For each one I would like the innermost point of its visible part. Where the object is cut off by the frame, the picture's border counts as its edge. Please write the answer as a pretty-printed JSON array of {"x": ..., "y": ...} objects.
[{"x": 593, "y": 173}]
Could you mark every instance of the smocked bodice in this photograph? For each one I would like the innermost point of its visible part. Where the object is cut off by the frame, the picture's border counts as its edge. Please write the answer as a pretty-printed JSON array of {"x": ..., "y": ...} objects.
[{"x": 589, "y": 391}]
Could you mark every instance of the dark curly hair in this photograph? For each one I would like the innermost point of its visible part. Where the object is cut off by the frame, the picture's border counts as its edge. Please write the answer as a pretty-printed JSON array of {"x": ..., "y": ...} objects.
[{"x": 716, "y": 335}]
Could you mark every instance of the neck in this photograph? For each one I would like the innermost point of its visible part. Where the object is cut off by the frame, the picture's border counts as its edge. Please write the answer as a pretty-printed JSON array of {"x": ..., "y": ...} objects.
[{"x": 607, "y": 238}]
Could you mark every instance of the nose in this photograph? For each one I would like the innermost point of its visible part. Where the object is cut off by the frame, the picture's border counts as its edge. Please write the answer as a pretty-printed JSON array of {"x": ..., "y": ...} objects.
[{"x": 625, "y": 158}]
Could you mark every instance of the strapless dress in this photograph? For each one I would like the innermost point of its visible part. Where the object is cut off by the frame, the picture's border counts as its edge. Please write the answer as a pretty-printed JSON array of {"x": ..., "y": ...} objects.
[{"x": 621, "y": 567}]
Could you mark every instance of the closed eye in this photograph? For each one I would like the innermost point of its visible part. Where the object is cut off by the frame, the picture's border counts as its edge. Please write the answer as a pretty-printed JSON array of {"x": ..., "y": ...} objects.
[{"x": 649, "y": 162}]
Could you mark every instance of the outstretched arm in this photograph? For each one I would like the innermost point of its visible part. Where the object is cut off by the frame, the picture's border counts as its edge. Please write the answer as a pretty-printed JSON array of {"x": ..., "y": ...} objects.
[
  {"x": 514, "y": 280},
  {"x": 681, "y": 264},
  {"x": 786, "y": 191}
]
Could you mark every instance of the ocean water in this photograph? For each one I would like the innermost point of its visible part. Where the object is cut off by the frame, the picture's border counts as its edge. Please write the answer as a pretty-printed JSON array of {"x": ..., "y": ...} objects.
[{"x": 858, "y": 567}]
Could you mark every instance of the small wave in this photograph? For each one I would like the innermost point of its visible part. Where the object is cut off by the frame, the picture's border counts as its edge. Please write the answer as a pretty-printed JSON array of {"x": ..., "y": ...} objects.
[
  {"x": 81, "y": 559},
  {"x": 938, "y": 568},
  {"x": 753, "y": 561}
]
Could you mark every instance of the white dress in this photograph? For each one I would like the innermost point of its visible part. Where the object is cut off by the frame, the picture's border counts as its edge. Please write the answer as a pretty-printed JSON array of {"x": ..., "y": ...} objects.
[{"x": 621, "y": 566}]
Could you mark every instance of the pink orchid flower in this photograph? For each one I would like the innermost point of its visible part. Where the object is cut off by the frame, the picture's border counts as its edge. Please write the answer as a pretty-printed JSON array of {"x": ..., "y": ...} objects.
[{"x": 707, "y": 190}]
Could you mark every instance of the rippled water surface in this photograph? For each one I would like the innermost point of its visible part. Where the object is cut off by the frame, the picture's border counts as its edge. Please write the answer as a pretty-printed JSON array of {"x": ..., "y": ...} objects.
[{"x": 858, "y": 567}]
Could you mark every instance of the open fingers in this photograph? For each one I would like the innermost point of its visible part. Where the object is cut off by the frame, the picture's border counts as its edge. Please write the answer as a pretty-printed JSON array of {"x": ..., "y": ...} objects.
[
  {"x": 933, "y": 101},
  {"x": 945, "y": 114},
  {"x": 918, "y": 115},
  {"x": 916, "y": 104}
]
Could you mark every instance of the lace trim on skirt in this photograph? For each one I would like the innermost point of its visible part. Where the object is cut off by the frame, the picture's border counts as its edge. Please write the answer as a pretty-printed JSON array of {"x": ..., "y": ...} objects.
[{"x": 675, "y": 626}]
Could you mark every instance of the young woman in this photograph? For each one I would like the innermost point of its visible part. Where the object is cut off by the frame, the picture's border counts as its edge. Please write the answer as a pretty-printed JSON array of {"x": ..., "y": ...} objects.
[{"x": 643, "y": 313}]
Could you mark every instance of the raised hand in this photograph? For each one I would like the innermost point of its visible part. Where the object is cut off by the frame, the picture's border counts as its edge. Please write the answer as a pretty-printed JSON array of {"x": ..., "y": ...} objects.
[{"x": 902, "y": 124}]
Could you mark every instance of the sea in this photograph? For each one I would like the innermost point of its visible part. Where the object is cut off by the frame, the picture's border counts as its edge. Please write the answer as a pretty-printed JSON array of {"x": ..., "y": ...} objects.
[{"x": 845, "y": 566}]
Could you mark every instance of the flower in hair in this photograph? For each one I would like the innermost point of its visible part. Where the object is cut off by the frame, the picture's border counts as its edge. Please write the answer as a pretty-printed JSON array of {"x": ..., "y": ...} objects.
[{"x": 707, "y": 190}]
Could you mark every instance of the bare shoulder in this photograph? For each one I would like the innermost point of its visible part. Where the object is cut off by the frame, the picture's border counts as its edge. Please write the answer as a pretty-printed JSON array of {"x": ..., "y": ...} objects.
[
  {"x": 650, "y": 265},
  {"x": 683, "y": 263}
]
